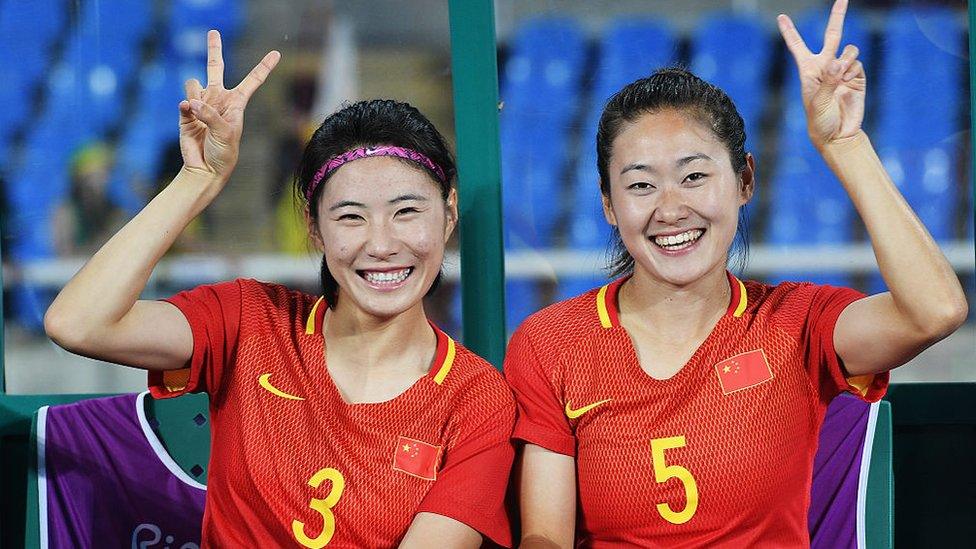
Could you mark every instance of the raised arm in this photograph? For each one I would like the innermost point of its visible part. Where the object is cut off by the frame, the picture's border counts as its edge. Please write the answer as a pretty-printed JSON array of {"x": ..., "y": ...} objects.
[
  {"x": 98, "y": 313},
  {"x": 925, "y": 302}
]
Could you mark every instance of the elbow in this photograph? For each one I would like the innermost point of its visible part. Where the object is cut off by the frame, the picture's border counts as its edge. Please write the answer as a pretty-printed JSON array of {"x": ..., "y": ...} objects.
[
  {"x": 67, "y": 332},
  {"x": 947, "y": 318},
  {"x": 56, "y": 327}
]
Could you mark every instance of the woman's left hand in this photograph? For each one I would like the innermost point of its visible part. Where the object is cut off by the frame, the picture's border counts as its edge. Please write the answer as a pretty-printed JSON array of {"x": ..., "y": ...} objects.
[{"x": 832, "y": 88}]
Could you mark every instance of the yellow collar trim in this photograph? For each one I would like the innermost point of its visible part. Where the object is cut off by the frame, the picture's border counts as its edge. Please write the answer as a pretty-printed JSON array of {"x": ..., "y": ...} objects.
[
  {"x": 448, "y": 362},
  {"x": 743, "y": 300},
  {"x": 601, "y": 307},
  {"x": 310, "y": 323}
]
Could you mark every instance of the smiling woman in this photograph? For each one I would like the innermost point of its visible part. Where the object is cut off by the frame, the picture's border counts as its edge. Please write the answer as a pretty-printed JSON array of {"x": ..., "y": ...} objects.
[
  {"x": 678, "y": 405},
  {"x": 346, "y": 417}
]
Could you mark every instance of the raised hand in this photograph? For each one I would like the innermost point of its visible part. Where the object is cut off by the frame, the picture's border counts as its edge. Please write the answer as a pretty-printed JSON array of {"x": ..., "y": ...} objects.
[
  {"x": 212, "y": 118},
  {"x": 833, "y": 88}
]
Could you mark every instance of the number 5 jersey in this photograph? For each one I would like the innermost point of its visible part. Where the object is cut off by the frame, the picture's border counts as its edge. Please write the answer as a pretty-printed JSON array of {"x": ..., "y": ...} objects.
[
  {"x": 719, "y": 454},
  {"x": 293, "y": 464}
]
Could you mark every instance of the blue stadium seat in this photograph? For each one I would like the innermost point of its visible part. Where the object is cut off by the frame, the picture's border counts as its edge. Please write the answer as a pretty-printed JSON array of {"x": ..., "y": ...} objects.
[
  {"x": 189, "y": 21},
  {"x": 116, "y": 21},
  {"x": 521, "y": 300},
  {"x": 734, "y": 53},
  {"x": 540, "y": 89},
  {"x": 16, "y": 103},
  {"x": 27, "y": 31},
  {"x": 631, "y": 48},
  {"x": 808, "y": 205},
  {"x": 39, "y": 20},
  {"x": 921, "y": 119},
  {"x": 29, "y": 227},
  {"x": 149, "y": 130}
]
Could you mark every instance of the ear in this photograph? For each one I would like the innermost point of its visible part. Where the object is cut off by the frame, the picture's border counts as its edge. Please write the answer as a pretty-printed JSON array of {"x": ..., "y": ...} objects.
[
  {"x": 608, "y": 209},
  {"x": 313, "y": 230},
  {"x": 451, "y": 206},
  {"x": 747, "y": 178}
]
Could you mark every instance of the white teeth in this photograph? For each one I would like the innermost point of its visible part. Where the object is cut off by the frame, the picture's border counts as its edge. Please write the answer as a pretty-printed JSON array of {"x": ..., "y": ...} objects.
[
  {"x": 388, "y": 277},
  {"x": 678, "y": 241}
]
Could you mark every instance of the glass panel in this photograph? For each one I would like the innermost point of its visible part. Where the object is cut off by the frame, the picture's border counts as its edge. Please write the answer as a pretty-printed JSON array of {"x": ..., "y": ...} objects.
[
  {"x": 89, "y": 131},
  {"x": 560, "y": 60}
]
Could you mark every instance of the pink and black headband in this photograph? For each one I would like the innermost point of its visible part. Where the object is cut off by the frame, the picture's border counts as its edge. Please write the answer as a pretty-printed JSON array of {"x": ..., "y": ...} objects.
[{"x": 363, "y": 152}]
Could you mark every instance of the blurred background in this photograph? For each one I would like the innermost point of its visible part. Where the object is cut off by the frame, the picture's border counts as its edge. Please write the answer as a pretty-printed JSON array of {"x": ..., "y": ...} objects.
[{"x": 88, "y": 134}]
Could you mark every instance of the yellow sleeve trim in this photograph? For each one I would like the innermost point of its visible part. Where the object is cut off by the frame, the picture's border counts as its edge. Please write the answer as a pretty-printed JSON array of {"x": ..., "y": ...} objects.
[
  {"x": 743, "y": 300},
  {"x": 176, "y": 380},
  {"x": 448, "y": 362},
  {"x": 601, "y": 307},
  {"x": 861, "y": 383},
  {"x": 310, "y": 323}
]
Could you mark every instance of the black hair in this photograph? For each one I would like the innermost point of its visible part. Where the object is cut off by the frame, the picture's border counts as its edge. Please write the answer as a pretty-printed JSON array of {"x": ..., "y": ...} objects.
[
  {"x": 679, "y": 89},
  {"x": 369, "y": 124}
]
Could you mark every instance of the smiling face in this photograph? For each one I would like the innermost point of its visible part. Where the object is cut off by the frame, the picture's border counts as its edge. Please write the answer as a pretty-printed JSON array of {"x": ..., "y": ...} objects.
[
  {"x": 674, "y": 196},
  {"x": 382, "y": 226}
]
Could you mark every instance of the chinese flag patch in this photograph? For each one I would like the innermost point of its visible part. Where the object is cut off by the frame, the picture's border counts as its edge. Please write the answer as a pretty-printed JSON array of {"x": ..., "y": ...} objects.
[
  {"x": 743, "y": 371},
  {"x": 416, "y": 458}
]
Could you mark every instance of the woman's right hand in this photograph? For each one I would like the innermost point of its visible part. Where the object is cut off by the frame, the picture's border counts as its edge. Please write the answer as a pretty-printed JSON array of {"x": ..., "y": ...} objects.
[{"x": 212, "y": 118}]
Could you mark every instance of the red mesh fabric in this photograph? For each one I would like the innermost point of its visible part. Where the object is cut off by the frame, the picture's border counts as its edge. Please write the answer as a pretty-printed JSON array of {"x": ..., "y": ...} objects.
[
  {"x": 750, "y": 452},
  {"x": 266, "y": 446}
]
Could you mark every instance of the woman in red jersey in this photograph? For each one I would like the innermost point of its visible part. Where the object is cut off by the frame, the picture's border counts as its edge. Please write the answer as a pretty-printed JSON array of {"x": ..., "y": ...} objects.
[
  {"x": 679, "y": 406},
  {"x": 346, "y": 420}
]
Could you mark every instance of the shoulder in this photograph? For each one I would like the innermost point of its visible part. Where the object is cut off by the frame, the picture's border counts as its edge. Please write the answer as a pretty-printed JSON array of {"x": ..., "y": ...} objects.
[
  {"x": 562, "y": 324},
  {"x": 475, "y": 384},
  {"x": 272, "y": 294},
  {"x": 473, "y": 373},
  {"x": 270, "y": 303},
  {"x": 792, "y": 303}
]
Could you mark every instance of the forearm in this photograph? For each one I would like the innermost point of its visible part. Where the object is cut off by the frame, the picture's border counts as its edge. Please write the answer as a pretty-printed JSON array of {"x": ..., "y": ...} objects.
[
  {"x": 921, "y": 281},
  {"x": 106, "y": 288}
]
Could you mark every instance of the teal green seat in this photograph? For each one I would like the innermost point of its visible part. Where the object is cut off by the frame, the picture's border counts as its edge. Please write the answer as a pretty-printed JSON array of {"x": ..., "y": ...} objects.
[
  {"x": 879, "y": 516},
  {"x": 182, "y": 425}
]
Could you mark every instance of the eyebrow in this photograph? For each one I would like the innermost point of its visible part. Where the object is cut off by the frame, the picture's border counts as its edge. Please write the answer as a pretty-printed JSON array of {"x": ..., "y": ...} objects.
[
  {"x": 406, "y": 197},
  {"x": 345, "y": 203},
  {"x": 681, "y": 162},
  {"x": 401, "y": 198},
  {"x": 692, "y": 158}
]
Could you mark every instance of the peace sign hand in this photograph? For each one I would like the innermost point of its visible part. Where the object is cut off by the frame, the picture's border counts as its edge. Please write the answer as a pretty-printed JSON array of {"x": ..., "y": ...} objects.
[
  {"x": 833, "y": 88},
  {"x": 212, "y": 118}
]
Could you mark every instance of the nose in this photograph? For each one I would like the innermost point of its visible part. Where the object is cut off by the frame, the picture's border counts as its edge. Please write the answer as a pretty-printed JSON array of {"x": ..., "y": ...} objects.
[
  {"x": 671, "y": 207},
  {"x": 383, "y": 243}
]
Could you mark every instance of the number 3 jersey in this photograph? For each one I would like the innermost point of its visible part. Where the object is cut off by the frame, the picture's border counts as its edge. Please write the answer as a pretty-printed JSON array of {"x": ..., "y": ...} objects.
[
  {"x": 292, "y": 464},
  {"x": 719, "y": 454}
]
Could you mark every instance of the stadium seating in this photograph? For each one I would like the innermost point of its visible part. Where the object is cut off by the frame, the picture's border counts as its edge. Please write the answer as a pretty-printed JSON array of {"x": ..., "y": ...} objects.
[
  {"x": 176, "y": 430},
  {"x": 630, "y": 48},
  {"x": 27, "y": 33},
  {"x": 920, "y": 119},
  {"x": 189, "y": 21},
  {"x": 734, "y": 52},
  {"x": 808, "y": 206},
  {"x": 540, "y": 89}
]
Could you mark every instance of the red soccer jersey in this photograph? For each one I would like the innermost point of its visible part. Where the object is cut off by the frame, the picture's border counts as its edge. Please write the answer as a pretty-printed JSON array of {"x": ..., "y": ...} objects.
[
  {"x": 292, "y": 464},
  {"x": 719, "y": 454}
]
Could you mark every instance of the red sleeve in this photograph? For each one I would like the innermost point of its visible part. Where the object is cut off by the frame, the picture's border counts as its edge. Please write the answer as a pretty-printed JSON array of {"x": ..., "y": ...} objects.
[
  {"x": 471, "y": 486},
  {"x": 541, "y": 419},
  {"x": 824, "y": 366},
  {"x": 214, "y": 314}
]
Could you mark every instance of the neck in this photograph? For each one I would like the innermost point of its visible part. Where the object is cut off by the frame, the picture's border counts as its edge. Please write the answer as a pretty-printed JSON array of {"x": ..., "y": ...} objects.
[
  {"x": 367, "y": 340},
  {"x": 685, "y": 309}
]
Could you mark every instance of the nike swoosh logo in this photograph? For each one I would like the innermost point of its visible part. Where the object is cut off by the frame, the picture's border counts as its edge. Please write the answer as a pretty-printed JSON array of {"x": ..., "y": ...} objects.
[
  {"x": 265, "y": 382},
  {"x": 573, "y": 414}
]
